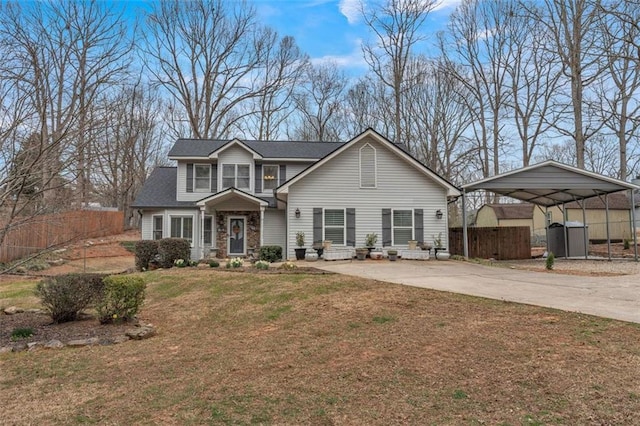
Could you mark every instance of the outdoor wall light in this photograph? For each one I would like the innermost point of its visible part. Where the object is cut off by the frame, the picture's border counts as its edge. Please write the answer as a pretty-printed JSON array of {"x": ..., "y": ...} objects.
[
  {"x": 438, "y": 214},
  {"x": 297, "y": 213}
]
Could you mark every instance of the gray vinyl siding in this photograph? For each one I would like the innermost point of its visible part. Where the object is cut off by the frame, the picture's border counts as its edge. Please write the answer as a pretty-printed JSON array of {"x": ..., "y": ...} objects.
[
  {"x": 292, "y": 170},
  {"x": 181, "y": 190},
  {"x": 336, "y": 185},
  {"x": 275, "y": 228},
  {"x": 147, "y": 226}
]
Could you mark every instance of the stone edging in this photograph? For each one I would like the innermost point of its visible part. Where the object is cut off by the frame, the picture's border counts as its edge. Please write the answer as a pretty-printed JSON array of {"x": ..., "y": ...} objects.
[{"x": 139, "y": 332}]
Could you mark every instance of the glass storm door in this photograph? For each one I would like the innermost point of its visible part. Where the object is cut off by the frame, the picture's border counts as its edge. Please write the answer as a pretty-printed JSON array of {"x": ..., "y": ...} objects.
[{"x": 237, "y": 236}]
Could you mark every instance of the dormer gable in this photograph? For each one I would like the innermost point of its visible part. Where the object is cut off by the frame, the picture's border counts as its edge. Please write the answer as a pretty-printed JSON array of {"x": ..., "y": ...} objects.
[{"x": 232, "y": 143}]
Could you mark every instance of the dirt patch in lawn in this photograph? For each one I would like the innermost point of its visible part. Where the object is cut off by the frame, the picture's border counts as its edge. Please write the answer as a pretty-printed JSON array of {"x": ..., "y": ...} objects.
[{"x": 237, "y": 348}]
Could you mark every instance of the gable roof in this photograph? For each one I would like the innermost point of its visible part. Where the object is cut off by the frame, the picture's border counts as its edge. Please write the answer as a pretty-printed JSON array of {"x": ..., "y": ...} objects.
[
  {"x": 235, "y": 142},
  {"x": 452, "y": 191},
  {"x": 230, "y": 193},
  {"x": 550, "y": 183},
  {"x": 203, "y": 148},
  {"x": 159, "y": 190},
  {"x": 512, "y": 211}
]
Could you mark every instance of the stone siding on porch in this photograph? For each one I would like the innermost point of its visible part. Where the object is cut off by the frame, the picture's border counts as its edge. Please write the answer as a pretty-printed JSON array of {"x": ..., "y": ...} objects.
[{"x": 253, "y": 230}]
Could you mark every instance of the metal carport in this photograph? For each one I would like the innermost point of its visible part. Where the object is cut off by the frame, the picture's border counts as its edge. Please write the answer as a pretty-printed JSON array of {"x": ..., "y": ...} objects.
[{"x": 549, "y": 184}]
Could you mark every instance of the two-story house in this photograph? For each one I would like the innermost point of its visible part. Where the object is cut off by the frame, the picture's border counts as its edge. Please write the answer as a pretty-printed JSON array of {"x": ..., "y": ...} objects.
[{"x": 227, "y": 196}]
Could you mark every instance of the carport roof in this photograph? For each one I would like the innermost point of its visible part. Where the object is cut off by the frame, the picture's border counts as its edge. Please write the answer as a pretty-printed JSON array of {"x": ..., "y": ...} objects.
[{"x": 550, "y": 183}]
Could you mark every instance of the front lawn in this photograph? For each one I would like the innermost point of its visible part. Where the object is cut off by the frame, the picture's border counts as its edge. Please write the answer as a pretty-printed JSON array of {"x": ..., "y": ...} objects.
[{"x": 241, "y": 348}]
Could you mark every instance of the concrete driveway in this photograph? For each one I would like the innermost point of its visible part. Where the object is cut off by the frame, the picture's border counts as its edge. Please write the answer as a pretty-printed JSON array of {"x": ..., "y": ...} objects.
[{"x": 612, "y": 297}]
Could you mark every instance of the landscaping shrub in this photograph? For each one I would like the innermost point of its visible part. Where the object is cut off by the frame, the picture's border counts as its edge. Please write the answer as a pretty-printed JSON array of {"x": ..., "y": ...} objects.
[
  {"x": 65, "y": 296},
  {"x": 146, "y": 251},
  {"x": 21, "y": 333},
  {"x": 121, "y": 299},
  {"x": 551, "y": 258},
  {"x": 236, "y": 262},
  {"x": 626, "y": 245},
  {"x": 270, "y": 253},
  {"x": 172, "y": 249},
  {"x": 261, "y": 264},
  {"x": 214, "y": 263}
]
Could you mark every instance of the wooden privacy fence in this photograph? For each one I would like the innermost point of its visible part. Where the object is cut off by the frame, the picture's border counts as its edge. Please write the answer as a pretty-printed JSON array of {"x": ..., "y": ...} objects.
[
  {"x": 41, "y": 232},
  {"x": 500, "y": 243}
]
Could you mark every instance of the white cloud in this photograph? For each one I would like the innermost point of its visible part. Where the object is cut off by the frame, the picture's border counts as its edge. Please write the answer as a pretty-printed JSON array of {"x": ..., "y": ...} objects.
[
  {"x": 446, "y": 4},
  {"x": 350, "y": 9},
  {"x": 350, "y": 61}
]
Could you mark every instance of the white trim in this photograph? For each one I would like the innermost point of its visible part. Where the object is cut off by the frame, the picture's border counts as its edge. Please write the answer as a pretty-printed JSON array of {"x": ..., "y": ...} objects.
[
  {"x": 232, "y": 191},
  {"x": 375, "y": 166},
  {"x": 208, "y": 188},
  {"x": 193, "y": 225},
  {"x": 344, "y": 225},
  {"x": 244, "y": 235},
  {"x": 235, "y": 176},
  {"x": 452, "y": 191},
  {"x": 234, "y": 142},
  {"x": 413, "y": 225},
  {"x": 277, "y": 178}
]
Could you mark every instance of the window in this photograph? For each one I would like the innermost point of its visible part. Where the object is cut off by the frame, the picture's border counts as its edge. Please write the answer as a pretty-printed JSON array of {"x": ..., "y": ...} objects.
[
  {"x": 334, "y": 226},
  {"x": 367, "y": 167},
  {"x": 202, "y": 177},
  {"x": 157, "y": 227},
  {"x": 236, "y": 175},
  {"x": 182, "y": 227},
  {"x": 402, "y": 227},
  {"x": 207, "y": 231},
  {"x": 270, "y": 177}
]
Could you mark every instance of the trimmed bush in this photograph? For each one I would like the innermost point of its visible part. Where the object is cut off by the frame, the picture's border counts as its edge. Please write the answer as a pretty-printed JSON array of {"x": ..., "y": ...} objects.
[
  {"x": 172, "y": 249},
  {"x": 146, "y": 251},
  {"x": 261, "y": 264},
  {"x": 551, "y": 258},
  {"x": 214, "y": 263},
  {"x": 122, "y": 298},
  {"x": 65, "y": 296},
  {"x": 270, "y": 253}
]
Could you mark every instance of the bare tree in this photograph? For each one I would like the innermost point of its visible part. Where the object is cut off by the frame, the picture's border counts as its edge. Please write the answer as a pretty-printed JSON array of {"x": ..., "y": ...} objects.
[
  {"x": 479, "y": 42},
  {"x": 396, "y": 25},
  {"x": 208, "y": 56},
  {"x": 576, "y": 40},
  {"x": 319, "y": 102},
  {"x": 284, "y": 66}
]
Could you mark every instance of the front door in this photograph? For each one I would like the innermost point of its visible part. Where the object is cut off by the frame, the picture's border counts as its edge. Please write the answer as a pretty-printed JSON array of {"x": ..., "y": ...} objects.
[{"x": 237, "y": 236}]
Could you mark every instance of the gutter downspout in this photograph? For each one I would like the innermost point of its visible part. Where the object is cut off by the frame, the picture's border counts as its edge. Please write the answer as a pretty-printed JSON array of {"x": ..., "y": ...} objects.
[{"x": 633, "y": 226}]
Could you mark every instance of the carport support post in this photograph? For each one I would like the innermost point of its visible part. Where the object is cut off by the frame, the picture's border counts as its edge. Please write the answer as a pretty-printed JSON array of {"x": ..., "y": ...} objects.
[
  {"x": 566, "y": 232},
  {"x": 465, "y": 244},
  {"x": 606, "y": 218},
  {"x": 633, "y": 226},
  {"x": 584, "y": 231}
]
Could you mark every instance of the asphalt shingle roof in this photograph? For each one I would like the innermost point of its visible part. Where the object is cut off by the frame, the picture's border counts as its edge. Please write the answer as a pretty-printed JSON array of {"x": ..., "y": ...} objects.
[
  {"x": 159, "y": 191},
  {"x": 268, "y": 149}
]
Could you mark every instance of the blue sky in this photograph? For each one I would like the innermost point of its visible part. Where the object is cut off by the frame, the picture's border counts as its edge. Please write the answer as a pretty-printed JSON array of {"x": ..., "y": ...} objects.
[{"x": 332, "y": 29}]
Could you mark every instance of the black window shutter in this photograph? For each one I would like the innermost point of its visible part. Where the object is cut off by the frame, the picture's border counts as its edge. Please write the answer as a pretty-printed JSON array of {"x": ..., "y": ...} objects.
[
  {"x": 283, "y": 174},
  {"x": 258, "y": 187},
  {"x": 418, "y": 226},
  {"x": 190, "y": 177},
  {"x": 214, "y": 178},
  {"x": 351, "y": 227},
  {"x": 386, "y": 227},
  {"x": 317, "y": 225}
]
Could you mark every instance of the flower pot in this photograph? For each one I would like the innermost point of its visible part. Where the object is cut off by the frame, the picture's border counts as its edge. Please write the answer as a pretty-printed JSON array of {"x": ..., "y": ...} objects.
[
  {"x": 412, "y": 244},
  {"x": 300, "y": 252},
  {"x": 327, "y": 244},
  {"x": 361, "y": 254},
  {"x": 376, "y": 255},
  {"x": 311, "y": 256},
  {"x": 393, "y": 255},
  {"x": 443, "y": 255}
]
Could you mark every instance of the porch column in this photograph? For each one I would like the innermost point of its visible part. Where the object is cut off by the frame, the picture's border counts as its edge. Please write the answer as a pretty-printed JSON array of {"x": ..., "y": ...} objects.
[
  {"x": 262, "y": 225},
  {"x": 201, "y": 239}
]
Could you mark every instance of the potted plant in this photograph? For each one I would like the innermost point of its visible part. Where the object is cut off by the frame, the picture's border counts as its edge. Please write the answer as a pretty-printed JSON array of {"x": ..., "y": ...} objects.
[
  {"x": 326, "y": 244},
  {"x": 300, "y": 251},
  {"x": 393, "y": 255},
  {"x": 440, "y": 252},
  {"x": 361, "y": 253},
  {"x": 370, "y": 241}
]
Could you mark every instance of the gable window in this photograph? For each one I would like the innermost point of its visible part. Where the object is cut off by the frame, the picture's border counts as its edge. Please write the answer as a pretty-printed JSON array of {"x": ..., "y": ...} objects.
[
  {"x": 202, "y": 177},
  {"x": 182, "y": 227},
  {"x": 368, "y": 172},
  {"x": 402, "y": 227},
  {"x": 334, "y": 221},
  {"x": 236, "y": 175},
  {"x": 157, "y": 227},
  {"x": 270, "y": 177},
  {"x": 207, "y": 231}
]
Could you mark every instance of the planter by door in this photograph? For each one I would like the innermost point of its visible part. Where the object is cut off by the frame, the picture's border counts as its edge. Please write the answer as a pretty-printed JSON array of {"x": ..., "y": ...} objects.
[
  {"x": 412, "y": 244},
  {"x": 393, "y": 255},
  {"x": 443, "y": 255},
  {"x": 300, "y": 252}
]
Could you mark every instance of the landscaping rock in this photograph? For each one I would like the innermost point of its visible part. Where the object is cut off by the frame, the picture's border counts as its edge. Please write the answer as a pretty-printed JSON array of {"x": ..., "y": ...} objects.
[
  {"x": 120, "y": 339},
  {"x": 4, "y": 349},
  {"x": 34, "y": 346},
  {"x": 56, "y": 262},
  {"x": 19, "y": 347},
  {"x": 35, "y": 311},
  {"x": 12, "y": 310},
  {"x": 84, "y": 342},
  {"x": 54, "y": 344},
  {"x": 142, "y": 331}
]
